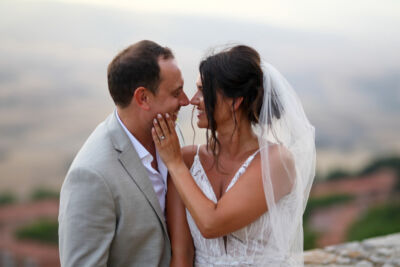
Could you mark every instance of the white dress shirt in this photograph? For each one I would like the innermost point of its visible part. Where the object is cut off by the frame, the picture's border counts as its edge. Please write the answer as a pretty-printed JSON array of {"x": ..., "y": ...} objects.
[{"x": 157, "y": 178}]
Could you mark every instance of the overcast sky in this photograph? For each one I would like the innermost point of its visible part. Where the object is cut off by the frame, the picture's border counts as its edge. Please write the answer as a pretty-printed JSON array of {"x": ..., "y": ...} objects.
[{"x": 359, "y": 17}]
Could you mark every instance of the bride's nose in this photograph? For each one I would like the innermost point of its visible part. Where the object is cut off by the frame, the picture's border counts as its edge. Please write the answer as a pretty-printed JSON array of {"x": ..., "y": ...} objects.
[{"x": 196, "y": 99}]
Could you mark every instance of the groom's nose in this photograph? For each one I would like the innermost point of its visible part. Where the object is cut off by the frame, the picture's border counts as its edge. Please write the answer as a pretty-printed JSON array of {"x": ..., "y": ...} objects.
[{"x": 184, "y": 100}]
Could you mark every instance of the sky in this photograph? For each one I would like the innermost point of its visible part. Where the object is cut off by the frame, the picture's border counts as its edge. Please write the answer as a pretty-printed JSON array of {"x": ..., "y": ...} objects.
[{"x": 345, "y": 17}]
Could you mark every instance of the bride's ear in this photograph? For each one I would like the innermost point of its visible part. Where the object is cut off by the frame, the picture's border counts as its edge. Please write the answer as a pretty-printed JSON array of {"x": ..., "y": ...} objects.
[
  {"x": 236, "y": 103},
  {"x": 141, "y": 98}
]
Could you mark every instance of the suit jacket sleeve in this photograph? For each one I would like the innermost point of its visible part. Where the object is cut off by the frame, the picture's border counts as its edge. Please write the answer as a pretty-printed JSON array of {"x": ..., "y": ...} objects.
[{"x": 87, "y": 219}]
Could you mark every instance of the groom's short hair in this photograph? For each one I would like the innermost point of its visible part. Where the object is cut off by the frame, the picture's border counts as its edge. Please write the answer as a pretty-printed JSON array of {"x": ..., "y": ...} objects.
[{"x": 135, "y": 66}]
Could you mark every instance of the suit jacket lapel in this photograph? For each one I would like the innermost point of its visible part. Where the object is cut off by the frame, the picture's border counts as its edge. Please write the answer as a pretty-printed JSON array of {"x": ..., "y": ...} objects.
[{"x": 133, "y": 165}]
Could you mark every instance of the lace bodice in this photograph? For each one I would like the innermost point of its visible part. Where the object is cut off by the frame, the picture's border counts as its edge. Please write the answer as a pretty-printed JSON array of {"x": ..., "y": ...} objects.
[{"x": 245, "y": 247}]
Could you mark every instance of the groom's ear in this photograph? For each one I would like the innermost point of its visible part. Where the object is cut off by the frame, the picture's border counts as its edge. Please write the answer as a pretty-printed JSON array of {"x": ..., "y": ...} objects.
[{"x": 141, "y": 97}]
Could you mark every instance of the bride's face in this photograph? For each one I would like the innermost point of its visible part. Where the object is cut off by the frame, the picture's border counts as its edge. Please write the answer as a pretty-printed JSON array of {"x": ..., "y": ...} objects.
[
  {"x": 222, "y": 107},
  {"x": 198, "y": 101}
]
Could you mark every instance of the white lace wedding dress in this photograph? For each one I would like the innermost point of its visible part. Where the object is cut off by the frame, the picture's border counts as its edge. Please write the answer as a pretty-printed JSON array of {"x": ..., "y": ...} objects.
[{"x": 248, "y": 246}]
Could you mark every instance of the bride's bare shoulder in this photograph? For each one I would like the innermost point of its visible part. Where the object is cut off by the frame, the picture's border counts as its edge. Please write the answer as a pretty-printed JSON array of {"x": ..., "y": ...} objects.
[
  {"x": 188, "y": 153},
  {"x": 278, "y": 151},
  {"x": 282, "y": 165}
]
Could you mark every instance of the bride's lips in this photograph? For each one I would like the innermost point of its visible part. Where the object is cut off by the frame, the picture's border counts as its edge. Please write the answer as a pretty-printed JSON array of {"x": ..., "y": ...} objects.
[{"x": 200, "y": 113}]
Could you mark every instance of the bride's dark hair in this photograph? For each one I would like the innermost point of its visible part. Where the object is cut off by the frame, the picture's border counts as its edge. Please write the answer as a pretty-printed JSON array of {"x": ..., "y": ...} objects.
[{"x": 234, "y": 72}]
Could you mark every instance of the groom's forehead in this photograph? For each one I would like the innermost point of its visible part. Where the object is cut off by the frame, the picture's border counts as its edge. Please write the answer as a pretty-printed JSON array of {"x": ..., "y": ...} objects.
[{"x": 171, "y": 81}]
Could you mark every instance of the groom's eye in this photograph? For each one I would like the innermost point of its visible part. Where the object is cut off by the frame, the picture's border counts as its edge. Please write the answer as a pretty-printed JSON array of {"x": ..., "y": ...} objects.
[{"x": 176, "y": 93}]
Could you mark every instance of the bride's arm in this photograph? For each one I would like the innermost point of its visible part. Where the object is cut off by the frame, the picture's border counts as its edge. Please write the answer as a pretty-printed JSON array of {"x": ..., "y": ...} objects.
[
  {"x": 238, "y": 207},
  {"x": 181, "y": 239}
]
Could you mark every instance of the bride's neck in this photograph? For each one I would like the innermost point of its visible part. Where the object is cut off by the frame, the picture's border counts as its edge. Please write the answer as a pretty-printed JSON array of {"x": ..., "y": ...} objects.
[{"x": 235, "y": 140}]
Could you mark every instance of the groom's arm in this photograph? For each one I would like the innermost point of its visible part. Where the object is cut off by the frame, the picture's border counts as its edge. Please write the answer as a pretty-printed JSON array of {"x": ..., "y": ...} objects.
[{"x": 86, "y": 219}]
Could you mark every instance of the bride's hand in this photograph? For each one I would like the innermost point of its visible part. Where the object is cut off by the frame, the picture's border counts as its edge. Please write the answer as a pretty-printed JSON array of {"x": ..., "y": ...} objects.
[{"x": 166, "y": 140}]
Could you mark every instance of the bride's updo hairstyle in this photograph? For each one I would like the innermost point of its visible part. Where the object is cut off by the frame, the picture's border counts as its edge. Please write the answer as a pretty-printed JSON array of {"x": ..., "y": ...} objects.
[{"x": 234, "y": 72}]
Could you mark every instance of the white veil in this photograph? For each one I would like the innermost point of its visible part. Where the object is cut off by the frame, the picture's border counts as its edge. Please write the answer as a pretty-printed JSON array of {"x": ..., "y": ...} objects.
[{"x": 290, "y": 136}]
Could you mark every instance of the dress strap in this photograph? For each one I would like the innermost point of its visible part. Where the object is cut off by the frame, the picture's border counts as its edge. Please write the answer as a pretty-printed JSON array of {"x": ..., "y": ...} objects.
[
  {"x": 251, "y": 157},
  {"x": 242, "y": 169},
  {"x": 198, "y": 149}
]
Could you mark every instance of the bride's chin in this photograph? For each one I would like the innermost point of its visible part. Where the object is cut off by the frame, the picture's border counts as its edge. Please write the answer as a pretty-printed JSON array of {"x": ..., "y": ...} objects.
[{"x": 201, "y": 124}]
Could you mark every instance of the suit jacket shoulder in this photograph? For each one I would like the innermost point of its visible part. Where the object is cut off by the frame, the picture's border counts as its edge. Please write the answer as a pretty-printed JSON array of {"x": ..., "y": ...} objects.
[{"x": 109, "y": 213}]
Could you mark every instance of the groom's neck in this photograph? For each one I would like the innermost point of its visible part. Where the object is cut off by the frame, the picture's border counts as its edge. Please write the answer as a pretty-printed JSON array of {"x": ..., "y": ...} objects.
[{"x": 138, "y": 126}]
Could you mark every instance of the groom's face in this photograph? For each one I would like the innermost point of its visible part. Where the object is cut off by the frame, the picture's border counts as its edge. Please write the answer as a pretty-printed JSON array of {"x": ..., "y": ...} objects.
[{"x": 170, "y": 96}]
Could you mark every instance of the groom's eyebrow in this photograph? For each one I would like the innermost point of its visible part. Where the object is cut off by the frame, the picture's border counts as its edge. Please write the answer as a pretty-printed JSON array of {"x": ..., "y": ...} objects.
[{"x": 180, "y": 88}]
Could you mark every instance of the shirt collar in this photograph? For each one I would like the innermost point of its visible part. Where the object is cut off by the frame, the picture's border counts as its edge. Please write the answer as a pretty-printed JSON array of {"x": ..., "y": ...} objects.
[
  {"x": 161, "y": 166},
  {"x": 143, "y": 154},
  {"x": 140, "y": 149}
]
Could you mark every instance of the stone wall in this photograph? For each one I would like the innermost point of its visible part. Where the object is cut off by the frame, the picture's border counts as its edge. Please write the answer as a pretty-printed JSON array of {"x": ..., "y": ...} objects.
[{"x": 374, "y": 252}]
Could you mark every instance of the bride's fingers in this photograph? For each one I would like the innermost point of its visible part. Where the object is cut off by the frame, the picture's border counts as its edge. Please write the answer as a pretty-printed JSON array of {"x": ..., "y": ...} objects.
[
  {"x": 155, "y": 137},
  {"x": 159, "y": 132},
  {"x": 163, "y": 125},
  {"x": 171, "y": 124}
]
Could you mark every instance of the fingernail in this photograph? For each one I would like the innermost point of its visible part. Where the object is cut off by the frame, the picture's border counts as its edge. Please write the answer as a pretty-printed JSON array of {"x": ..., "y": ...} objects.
[
  {"x": 155, "y": 121},
  {"x": 159, "y": 116},
  {"x": 167, "y": 115}
]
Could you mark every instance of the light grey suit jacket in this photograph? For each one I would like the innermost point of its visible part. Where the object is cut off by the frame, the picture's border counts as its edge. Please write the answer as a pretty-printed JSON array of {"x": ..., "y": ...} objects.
[{"x": 109, "y": 213}]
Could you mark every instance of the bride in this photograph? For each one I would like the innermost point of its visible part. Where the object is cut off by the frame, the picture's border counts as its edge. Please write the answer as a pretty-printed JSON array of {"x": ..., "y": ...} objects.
[{"x": 238, "y": 200}]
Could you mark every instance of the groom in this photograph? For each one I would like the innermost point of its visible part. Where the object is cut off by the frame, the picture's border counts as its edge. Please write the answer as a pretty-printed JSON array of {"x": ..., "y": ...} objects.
[{"x": 113, "y": 198}]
